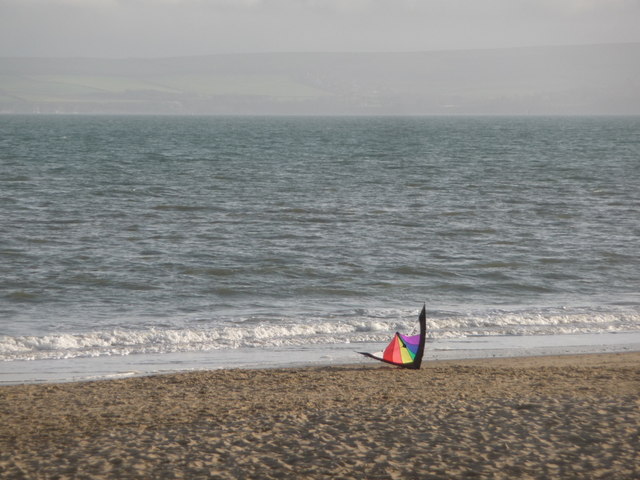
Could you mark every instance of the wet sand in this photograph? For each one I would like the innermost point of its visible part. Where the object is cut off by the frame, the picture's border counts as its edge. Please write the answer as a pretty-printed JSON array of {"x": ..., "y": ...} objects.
[{"x": 536, "y": 417}]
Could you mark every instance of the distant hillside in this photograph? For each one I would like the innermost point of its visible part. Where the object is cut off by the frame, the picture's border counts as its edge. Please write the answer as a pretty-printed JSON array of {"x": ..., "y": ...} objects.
[{"x": 598, "y": 79}]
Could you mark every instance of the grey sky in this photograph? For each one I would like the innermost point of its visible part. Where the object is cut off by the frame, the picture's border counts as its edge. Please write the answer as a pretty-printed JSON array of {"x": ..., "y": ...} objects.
[{"x": 157, "y": 28}]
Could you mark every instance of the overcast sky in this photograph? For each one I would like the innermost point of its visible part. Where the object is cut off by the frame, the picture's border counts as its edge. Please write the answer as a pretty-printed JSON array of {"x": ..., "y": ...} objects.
[{"x": 157, "y": 28}]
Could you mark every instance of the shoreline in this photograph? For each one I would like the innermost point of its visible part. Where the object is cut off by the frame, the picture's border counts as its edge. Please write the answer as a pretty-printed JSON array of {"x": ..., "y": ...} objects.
[
  {"x": 561, "y": 416},
  {"x": 81, "y": 369}
]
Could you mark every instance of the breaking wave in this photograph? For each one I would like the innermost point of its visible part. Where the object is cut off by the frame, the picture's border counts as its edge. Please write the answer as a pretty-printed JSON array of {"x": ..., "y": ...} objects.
[{"x": 365, "y": 327}]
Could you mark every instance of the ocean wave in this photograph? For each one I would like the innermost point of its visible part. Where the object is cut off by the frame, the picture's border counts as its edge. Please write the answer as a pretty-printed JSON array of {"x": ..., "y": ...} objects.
[
  {"x": 366, "y": 327},
  {"x": 169, "y": 340}
]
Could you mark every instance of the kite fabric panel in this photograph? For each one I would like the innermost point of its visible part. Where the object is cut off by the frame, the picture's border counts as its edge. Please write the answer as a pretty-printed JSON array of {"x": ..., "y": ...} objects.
[{"x": 404, "y": 350}]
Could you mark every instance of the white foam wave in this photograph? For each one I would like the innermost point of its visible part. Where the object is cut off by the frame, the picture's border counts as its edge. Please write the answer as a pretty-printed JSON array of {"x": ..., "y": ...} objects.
[
  {"x": 369, "y": 327},
  {"x": 156, "y": 340},
  {"x": 535, "y": 322}
]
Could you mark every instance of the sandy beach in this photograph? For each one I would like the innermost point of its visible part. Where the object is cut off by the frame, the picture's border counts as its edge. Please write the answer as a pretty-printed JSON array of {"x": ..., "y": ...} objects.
[{"x": 536, "y": 417}]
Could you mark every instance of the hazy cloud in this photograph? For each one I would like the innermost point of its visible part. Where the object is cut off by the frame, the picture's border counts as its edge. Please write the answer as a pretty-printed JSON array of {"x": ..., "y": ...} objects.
[{"x": 125, "y": 28}]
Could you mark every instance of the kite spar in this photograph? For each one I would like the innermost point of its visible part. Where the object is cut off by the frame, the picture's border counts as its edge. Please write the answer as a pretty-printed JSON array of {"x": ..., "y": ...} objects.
[{"x": 404, "y": 350}]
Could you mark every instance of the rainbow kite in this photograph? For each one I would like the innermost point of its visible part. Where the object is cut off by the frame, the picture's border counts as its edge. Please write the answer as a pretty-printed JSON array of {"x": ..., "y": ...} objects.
[{"x": 405, "y": 350}]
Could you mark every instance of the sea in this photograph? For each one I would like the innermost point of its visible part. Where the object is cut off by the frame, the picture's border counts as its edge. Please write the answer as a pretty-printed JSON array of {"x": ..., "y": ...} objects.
[{"x": 134, "y": 245}]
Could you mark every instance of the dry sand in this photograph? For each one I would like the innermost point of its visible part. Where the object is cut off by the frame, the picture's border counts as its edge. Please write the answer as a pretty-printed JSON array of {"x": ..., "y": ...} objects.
[{"x": 543, "y": 418}]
